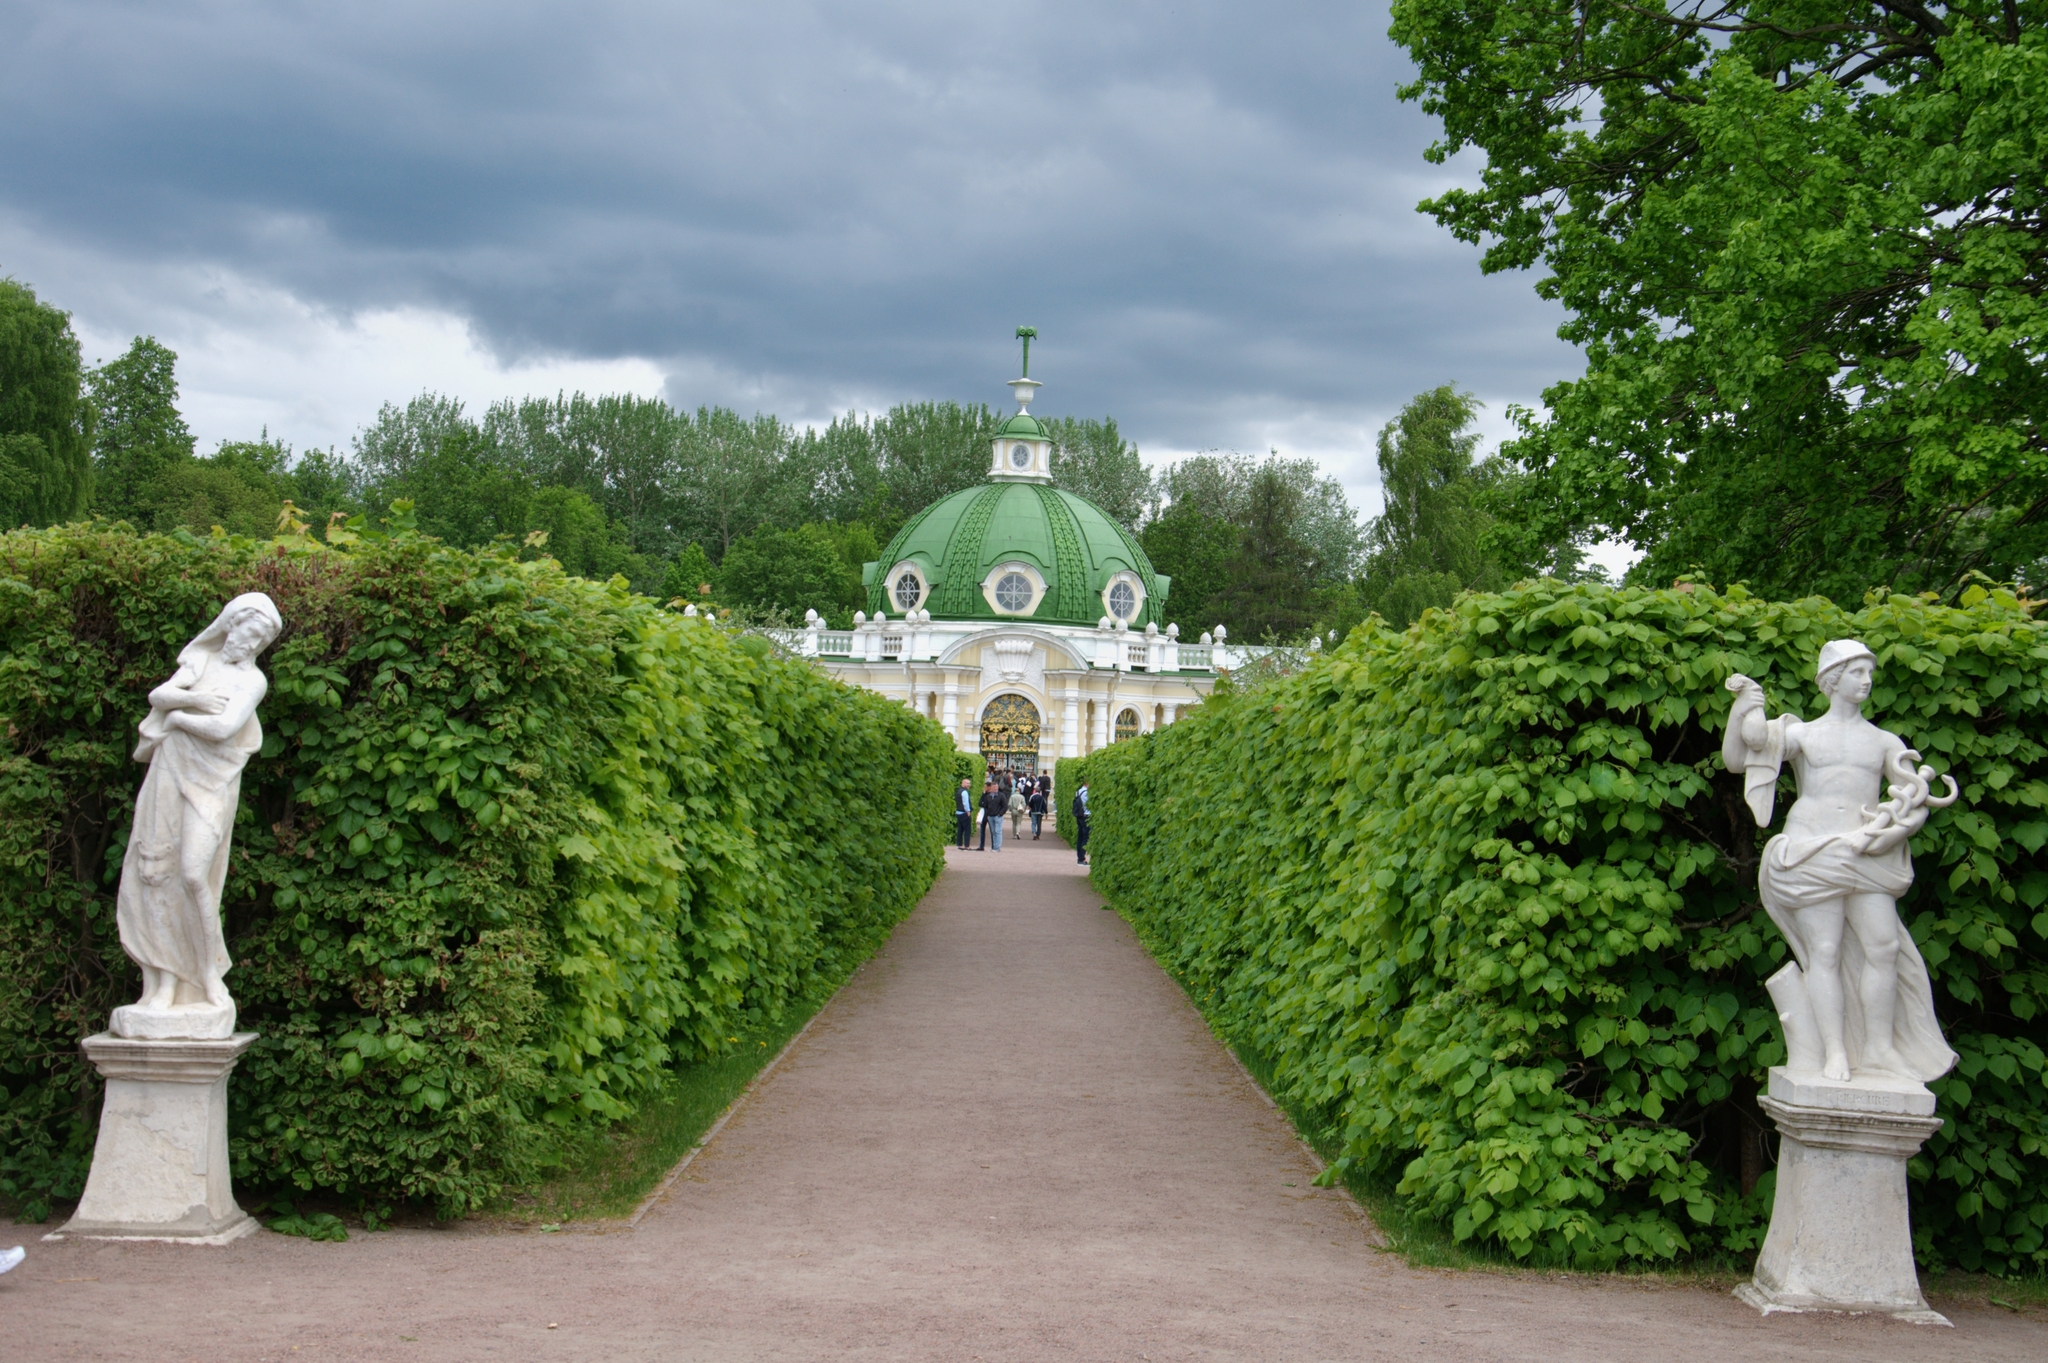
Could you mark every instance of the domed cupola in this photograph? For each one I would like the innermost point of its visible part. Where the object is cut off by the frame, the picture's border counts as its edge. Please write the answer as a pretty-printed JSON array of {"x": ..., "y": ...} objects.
[
  {"x": 1017, "y": 549},
  {"x": 1023, "y": 446}
]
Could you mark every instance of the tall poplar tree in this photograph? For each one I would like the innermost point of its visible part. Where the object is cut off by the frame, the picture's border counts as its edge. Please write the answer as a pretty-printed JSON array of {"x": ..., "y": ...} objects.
[
  {"x": 140, "y": 433},
  {"x": 45, "y": 451},
  {"x": 1424, "y": 547}
]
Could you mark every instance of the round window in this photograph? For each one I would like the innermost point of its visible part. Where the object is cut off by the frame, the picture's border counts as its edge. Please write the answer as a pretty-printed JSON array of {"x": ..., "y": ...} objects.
[
  {"x": 1020, "y": 456},
  {"x": 1013, "y": 592},
  {"x": 1123, "y": 602},
  {"x": 908, "y": 589}
]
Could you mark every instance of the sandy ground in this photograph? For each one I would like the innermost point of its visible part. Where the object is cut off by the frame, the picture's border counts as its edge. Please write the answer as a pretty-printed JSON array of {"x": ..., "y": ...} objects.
[{"x": 1009, "y": 1137}]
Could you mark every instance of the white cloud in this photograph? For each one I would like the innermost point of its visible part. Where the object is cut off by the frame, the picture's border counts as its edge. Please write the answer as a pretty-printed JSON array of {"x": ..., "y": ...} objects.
[{"x": 267, "y": 360}]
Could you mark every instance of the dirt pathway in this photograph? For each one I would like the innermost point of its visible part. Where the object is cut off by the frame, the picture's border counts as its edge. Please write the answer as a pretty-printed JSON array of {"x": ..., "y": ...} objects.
[{"x": 1010, "y": 1137}]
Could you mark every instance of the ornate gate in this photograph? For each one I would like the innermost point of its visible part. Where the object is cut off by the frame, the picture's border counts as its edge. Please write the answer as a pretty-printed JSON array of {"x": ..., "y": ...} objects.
[{"x": 1009, "y": 734}]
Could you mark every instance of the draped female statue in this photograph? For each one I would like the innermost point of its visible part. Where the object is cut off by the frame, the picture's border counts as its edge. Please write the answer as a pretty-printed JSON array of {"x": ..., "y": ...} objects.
[
  {"x": 200, "y": 731},
  {"x": 1857, "y": 1003}
]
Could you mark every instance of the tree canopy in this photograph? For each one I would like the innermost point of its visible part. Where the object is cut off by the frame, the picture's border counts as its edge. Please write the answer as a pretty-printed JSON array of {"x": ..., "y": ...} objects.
[
  {"x": 45, "y": 458},
  {"x": 1802, "y": 244},
  {"x": 140, "y": 432},
  {"x": 1424, "y": 547},
  {"x": 1260, "y": 546},
  {"x": 789, "y": 571}
]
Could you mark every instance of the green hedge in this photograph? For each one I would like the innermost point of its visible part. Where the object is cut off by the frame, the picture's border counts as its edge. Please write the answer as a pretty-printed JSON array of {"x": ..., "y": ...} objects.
[
  {"x": 515, "y": 844},
  {"x": 1484, "y": 898}
]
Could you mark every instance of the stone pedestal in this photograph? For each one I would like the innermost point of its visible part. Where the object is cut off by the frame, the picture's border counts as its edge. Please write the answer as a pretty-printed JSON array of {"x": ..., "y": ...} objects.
[
  {"x": 1839, "y": 1238},
  {"x": 160, "y": 1169}
]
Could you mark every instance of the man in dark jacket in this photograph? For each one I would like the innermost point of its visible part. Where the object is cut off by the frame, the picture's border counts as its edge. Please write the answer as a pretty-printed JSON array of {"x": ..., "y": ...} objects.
[
  {"x": 963, "y": 814},
  {"x": 1036, "y": 804},
  {"x": 1081, "y": 824},
  {"x": 993, "y": 807}
]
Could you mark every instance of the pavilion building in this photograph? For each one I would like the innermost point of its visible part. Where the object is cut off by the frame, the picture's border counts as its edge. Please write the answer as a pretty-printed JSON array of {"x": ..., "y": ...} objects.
[{"x": 1021, "y": 617}]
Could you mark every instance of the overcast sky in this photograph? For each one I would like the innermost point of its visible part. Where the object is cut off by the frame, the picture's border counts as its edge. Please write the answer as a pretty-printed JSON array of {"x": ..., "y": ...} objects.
[{"x": 1206, "y": 209}]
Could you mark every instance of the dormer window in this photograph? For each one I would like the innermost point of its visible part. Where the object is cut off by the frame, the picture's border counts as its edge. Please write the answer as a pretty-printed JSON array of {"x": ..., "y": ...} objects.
[
  {"x": 1013, "y": 588},
  {"x": 1124, "y": 597},
  {"x": 908, "y": 585},
  {"x": 1020, "y": 457},
  {"x": 1013, "y": 592}
]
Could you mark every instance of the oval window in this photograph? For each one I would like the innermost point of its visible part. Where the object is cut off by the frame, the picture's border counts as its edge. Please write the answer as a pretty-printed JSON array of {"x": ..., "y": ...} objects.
[
  {"x": 1013, "y": 592},
  {"x": 1123, "y": 602},
  {"x": 908, "y": 589},
  {"x": 1020, "y": 456}
]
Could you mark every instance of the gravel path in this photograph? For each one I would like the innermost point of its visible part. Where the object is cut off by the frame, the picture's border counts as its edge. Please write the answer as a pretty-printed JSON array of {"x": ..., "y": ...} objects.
[{"x": 1009, "y": 1137}]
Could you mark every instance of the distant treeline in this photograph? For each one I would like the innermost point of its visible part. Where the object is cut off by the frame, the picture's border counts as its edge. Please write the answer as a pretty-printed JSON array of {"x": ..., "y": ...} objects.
[{"x": 752, "y": 512}]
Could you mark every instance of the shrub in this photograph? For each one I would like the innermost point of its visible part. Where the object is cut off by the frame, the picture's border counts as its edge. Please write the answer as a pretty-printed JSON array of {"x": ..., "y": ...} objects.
[
  {"x": 1482, "y": 895},
  {"x": 516, "y": 842}
]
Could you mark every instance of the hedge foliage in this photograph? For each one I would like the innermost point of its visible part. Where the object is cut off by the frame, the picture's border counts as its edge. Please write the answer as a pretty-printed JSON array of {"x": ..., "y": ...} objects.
[
  {"x": 515, "y": 844},
  {"x": 1482, "y": 894}
]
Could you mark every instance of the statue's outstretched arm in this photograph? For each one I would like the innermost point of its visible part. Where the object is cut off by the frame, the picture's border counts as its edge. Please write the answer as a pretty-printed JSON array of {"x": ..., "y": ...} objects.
[{"x": 1755, "y": 746}]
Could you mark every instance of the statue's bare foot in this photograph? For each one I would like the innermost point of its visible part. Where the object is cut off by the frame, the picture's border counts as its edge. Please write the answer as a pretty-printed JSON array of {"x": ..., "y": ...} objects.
[{"x": 1836, "y": 1068}]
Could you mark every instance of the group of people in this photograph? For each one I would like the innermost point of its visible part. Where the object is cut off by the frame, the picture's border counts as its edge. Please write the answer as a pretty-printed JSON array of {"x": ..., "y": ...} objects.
[{"x": 1004, "y": 794}]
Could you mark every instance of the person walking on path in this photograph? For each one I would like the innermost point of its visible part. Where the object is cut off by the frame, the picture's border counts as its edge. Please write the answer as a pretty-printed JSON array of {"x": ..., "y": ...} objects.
[
  {"x": 1017, "y": 808},
  {"x": 1081, "y": 824},
  {"x": 992, "y": 812},
  {"x": 1036, "y": 804},
  {"x": 963, "y": 815}
]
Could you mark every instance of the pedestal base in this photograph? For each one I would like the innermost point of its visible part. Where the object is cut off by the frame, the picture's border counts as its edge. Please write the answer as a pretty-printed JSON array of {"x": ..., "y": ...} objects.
[
  {"x": 185, "y": 1022},
  {"x": 1839, "y": 1237},
  {"x": 160, "y": 1168}
]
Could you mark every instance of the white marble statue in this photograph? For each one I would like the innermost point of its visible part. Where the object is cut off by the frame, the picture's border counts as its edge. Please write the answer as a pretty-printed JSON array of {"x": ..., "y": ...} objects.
[
  {"x": 1858, "y": 1004},
  {"x": 200, "y": 732}
]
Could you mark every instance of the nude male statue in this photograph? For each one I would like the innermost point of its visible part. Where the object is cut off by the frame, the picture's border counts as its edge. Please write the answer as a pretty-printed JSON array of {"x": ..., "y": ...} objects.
[{"x": 1859, "y": 994}]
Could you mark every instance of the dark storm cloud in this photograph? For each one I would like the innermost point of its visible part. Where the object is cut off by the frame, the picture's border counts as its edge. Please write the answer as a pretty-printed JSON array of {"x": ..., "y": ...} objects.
[{"x": 1207, "y": 209}]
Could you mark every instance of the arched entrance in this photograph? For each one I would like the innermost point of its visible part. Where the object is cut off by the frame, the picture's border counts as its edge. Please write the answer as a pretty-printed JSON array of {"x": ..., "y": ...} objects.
[
  {"x": 1126, "y": 725},
  {"x": 1009, "y": 734}
]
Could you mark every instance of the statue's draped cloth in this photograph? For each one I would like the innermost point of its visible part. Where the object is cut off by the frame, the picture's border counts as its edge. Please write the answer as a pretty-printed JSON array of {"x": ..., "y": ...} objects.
[
  {"x": 1800, "y": 873},
  {"x": 192, "y": 789}
]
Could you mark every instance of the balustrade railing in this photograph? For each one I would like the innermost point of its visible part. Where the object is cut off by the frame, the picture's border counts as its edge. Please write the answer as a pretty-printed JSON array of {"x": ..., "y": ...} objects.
[
  {"x": 1194, "y": 658},
  {"x": 892, "y": 645},
  {"x": 836, "y": 644}
]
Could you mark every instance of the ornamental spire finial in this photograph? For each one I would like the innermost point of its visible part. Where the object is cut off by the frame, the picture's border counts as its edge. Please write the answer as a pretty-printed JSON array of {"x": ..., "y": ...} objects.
[{"x": 1023, "y": 388}]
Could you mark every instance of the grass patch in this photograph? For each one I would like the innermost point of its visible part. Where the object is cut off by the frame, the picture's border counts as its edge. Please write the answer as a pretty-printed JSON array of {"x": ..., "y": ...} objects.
[
  {"x": 2023, "y": 1296},
  {"x": 604, "y": 1174}
]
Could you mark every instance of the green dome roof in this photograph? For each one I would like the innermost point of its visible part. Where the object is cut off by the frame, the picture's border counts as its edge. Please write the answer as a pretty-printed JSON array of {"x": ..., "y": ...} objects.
[
  {"x": 1023, "y": 426},
  {"x": 1075, "y": 546}
]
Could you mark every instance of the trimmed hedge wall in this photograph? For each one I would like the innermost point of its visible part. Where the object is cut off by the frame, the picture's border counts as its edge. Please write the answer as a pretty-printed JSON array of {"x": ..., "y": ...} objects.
[
  {"x": 1482, "y": 895},
  {"x": 515, "y": 844}
]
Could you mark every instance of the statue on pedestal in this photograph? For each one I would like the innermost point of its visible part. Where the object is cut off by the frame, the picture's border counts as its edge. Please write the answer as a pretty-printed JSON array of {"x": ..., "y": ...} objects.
[
  {"x": 1858, "y": 1000},
  {"x": 200, "y": 732},
  {"x": 160, "y": 1164},
  {"x": 1856, "y": 1003}
]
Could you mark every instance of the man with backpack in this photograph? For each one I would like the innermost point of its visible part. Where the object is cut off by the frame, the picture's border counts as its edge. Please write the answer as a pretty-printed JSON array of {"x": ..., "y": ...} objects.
[{"x": 1081, "y": 824}]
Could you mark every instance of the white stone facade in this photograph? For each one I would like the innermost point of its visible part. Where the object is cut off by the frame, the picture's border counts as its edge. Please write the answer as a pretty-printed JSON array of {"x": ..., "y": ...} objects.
[{"x": 1081, "y": 681}]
